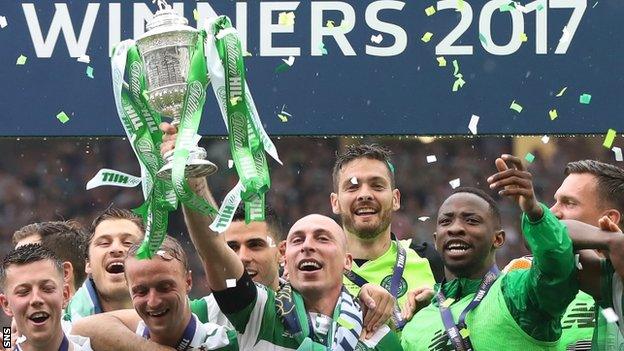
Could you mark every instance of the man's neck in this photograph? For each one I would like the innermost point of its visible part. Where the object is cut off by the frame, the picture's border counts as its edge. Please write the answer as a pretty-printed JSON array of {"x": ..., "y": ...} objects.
[
  {"x": 323, "y": 303},
  {"x": 478, "y": 273},
  {"x": 113, "y": 304},
  {"x": 172, "y": 337},
  {"x": 370, "y": 249},
  {"x": 53, "y": 344}
]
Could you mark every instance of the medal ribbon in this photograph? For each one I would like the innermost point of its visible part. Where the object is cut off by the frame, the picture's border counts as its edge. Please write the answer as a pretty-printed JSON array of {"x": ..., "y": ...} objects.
[{"x": 187, "y": 336}]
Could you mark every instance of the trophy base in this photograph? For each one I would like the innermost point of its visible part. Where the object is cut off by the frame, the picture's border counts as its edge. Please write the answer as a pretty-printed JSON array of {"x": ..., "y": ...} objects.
[{"x": 196, "y": 166}]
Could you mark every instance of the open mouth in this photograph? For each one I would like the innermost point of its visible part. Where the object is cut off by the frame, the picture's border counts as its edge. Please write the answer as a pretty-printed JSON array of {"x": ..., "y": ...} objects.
[
  {"x": 115, "y": 267},
  {"x": 39, "y": 317},
  {"x": 158, "y": 314},
  {"x": 456, "y": 247},
  {"x": 251, "y": 273},
  {"x": 365, "y": 211},
  {"x": 309, "y": 265}
]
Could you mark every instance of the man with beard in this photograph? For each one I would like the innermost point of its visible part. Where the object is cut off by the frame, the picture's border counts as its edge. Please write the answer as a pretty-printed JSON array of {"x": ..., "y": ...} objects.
[
  {"x": 365, "y": 197},
  {"x": 32, "y": 278},
  {"x": 477, "y": 307}
]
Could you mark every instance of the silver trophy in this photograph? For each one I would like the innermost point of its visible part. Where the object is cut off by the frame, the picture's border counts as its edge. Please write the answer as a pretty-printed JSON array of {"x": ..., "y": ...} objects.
[{"x": 166, "y": 49}]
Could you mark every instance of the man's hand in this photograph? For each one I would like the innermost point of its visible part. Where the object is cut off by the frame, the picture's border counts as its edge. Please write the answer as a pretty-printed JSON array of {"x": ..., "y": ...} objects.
[
  {"x": 377, "y": 307},
  {"x": 514, "y": 181},
  {"x": 169, "y": 137},
  {"x": 416, "y": 300}
]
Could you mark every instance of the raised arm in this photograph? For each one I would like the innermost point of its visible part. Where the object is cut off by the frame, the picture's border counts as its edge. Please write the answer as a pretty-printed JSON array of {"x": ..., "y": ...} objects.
[
  {"x": 219, "y": 260},
  {"x": 115, "y": 331}
]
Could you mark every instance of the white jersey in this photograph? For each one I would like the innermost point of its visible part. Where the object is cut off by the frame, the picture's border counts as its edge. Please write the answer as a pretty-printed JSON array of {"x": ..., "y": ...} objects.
[{"x": 617, "y": 297}]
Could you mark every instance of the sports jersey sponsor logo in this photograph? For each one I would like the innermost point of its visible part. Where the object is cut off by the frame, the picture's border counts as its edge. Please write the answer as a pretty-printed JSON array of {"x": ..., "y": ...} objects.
[
  {"x": 440, "y": 342},
  {"x": 580, "y": 316},
  {"x": 385, "y": 283}
]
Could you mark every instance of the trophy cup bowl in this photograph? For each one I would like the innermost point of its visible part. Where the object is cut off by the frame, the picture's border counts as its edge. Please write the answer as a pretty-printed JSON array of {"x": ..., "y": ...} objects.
[{"x": 166, "y": 49}]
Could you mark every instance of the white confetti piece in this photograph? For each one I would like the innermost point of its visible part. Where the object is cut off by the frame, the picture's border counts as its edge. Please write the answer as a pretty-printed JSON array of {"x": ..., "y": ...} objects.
[
  {"x": 455, "y": 183},
  {"x": 290, "y": 61},
  {"x": 377, "y": 38},
  {"x": 431, "y": 159},
  {"x": 618, "y": 153},
  {"x": 472, "y": 126},
  {"x": 545, "y": 139},
  {"x": 423, "y": 218},
  {"x": 610, "y": 315},
  {"x": 230, "y": 164},
  {"x": 270, "y": 241},
  {"x": 84, "y": 59},
  {"x": 3, "y": 22},
  {"x": 230, "y": 283},
  {"x": 354, "y": 180},
  {"x": 577, "y": 262}
]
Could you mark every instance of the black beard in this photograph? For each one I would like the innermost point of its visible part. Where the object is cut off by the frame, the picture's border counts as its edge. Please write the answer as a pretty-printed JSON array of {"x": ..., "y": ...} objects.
[{"x": 366, "y": 234}]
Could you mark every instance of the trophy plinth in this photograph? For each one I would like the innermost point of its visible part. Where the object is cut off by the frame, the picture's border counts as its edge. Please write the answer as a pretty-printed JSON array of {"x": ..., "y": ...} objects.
[{"x": 166, "y": 50}]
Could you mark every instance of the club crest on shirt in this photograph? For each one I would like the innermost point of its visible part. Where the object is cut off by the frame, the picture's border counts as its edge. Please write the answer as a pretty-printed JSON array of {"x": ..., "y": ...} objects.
[{"x": 385, "y": 283}]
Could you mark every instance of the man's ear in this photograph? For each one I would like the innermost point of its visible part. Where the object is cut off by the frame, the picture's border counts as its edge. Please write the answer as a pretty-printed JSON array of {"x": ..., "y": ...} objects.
[
  {"x": 348, "y": 261},
  {"x": 189, "y": 281},
  {"x": 66, "y": 294},
  {"x": 435, "y": 241},
  {"x": 614, "y": 215},
  {"x": 281, "y": 248},
  {"x": 396, "y": 199},
  {"x": 88, "y": 266},
  {"x": 5, "y": 305},
  {"x": 499, "y": 239},
  {"x": 68, "y": 273},
  {"x": 333, "y": 199}
]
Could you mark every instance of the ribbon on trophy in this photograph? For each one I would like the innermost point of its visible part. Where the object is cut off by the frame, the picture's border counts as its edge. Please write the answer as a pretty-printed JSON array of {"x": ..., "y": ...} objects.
[{"x": 222, "y": 58}]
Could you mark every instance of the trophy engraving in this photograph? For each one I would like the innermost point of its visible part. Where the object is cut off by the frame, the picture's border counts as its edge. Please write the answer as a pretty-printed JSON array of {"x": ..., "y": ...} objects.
[{"x": 166, "y": 50}]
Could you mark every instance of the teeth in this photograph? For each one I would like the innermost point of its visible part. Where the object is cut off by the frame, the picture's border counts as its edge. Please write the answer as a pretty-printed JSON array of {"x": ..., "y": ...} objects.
[
  {"x": 38, "y": 315},
  {"x": 365, "y": 211},
  {"x": 309, "y": 264},
  {"x": 157, "y": 314}
]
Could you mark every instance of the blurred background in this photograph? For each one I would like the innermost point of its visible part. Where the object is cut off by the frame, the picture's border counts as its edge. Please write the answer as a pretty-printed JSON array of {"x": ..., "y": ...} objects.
[{"x": 44, "y": 179}]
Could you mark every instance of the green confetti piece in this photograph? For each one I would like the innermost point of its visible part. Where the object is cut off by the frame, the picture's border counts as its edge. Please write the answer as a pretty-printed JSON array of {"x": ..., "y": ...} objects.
[
  {"x": 608, "y": 141},
  {"x": 196, "y": 14},
  {"x": 21, "y": 60},
  {"x": 464, "y": 333},
  {"x": 515, "y": 106},
  {"x": 459, "y": 83},
  {"x": 426, "y": 37},
  {"x": 282, "y": 68},
  {"x": 441, "y": 61},
  {"x": 323, "y": 50},
  {"x": 540, "y": 7},
  {"x": 90, "y": 72},
  {"x": 506, "y": 7},
  {"x": 553, "y": 114},
  {"x": 460, "y": 5},
  {"x": 455, "y": 67},
  {"x": 482, "y": 38},
  {"x": 585, "y": 99},
  {"x": 529, "y": 157},
  {"x": 523, "y": 37},
  {"x": 430, "y": 10},
  {"x": 62, "y": 117},
  {"x": 282, "y": 117},
  {"x": 562, "y": 92}
]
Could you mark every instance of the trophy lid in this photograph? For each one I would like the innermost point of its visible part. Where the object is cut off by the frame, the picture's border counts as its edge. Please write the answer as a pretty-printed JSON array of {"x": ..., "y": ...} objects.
[{"x": 166, "y": 19}]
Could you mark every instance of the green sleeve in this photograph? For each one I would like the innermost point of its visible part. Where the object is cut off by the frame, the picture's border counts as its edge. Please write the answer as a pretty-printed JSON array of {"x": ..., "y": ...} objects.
[
  {"x": 200, "y": 308},
  {"x": 538, "y": 297},
  {"x": 390, "y": 342}
]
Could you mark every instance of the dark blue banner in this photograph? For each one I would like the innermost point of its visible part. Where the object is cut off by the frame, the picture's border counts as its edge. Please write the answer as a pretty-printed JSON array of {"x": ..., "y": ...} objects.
[{"x": 360, "y": 67}]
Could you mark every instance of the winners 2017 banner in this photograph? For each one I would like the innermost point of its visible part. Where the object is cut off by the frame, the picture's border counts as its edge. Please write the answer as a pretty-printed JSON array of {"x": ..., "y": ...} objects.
[{"x": 339, "y": 67}]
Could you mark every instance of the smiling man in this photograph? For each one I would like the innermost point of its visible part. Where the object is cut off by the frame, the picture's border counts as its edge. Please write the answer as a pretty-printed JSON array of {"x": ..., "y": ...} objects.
[
  {"x": 161, "y": 317},
  {"x": 477, "y": 307},
  {"x": 35, "y": 293},
  {"x": 112, "y": 233}
]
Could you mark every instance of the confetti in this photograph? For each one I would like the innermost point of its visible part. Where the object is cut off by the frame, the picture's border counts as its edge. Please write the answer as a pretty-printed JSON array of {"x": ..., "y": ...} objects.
[
  {"x": 472, "y": 126},
  {"x": 529, "y": 157},
  {"x": 431, "y": 159},
  {"x": 577, "y": 262},
  {"x": 455, "y": 183},
  {"x": 423, "y": 218},
  {"x": 282, "y": 68},
  {"x": 455, "y": 67},
  {"x": 448, "y": 302},
  {"x": 562, "y": 92},
  {"x": 62, "y": 117},
  {"x": 506, "y": 7},
  {"x": 89, "y": 72},
  {"x": 84, "y": 59},
  {"x": 377, "y": 38},
  {"x": 230, "y": 164},
  {"x": 21, "y": 60},
  {"x": 460, "y": 5},
  {"x": 430, "y": 10},
  {"x": 247, "y": 54},
  {"x": 595, "y": 4},
  {"x": 234, "y": 101},
  {"x": 464, "y": 333},
  {"x": 515, "y": 106},
  {"x": 553, "y": 114},
  {"x": 322, "y": 48},
  {"x": 585, "y": 99},
  {"x": 545, "y": 139},
  {"x": 282, "y": 117},
  {"x": 482, "y": 39},
  {"x": 426, "y": 37},
  {"x": 441, "y": 61},
  {"x": 608, "y": 141},
  {"x": 230, "y": 283},
  {"x": 459, "y": 82},
  {"x": 618, "y": 153},
  {"x": 354, "y": 181},
  {"x": 540, "y": 7},
  {"x": 523, "y": 37},
  {"x": 610, "y": 315},
  {"x": 330, "y": 24},
  {"x": 3, "y": 22},
  {"x": 196, "y": 14},
  {"x": 290, "y": 61},
  {"x": 286, "y": 19}
]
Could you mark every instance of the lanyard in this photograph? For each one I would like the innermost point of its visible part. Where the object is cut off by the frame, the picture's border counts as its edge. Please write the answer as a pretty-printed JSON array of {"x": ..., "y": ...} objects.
[
  {"x": 458, "y": 332},
  {"x": 185, "y": 341},
  {"x": 397, "y": 274}
]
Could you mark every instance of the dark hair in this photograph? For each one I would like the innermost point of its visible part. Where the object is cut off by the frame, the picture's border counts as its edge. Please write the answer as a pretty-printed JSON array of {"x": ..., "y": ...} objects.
[
  {"x": 25, "y": 232},
  {"x": 170, "y": 247},
  {"x": 112, "y": 213},
  {"x": 273, "y": 222},
  {"x": 482, "y": 194},
  {"x": 609, "y": 181},
  {"x": 369, "y": 151},
  {"x": 28, "y": 254}
]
